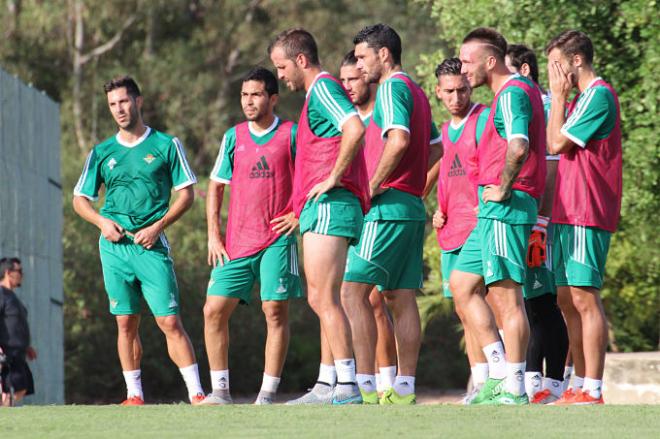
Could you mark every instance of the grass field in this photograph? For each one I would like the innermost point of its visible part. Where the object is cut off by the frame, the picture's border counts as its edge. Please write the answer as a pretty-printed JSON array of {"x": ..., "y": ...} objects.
[{"x": 448, "y": 421}]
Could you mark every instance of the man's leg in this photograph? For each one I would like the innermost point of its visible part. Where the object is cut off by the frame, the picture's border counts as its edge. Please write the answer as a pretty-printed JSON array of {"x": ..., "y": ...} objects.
[
  {"x": 386, "y": 361},
  {"x": 355, "y": 301},
  {"x": 321, "y": 392},
  {"x": 574, "y": 329},
  {"x": 181, "y": 352},
  {"x": 408, "y": 333},
  {"x": 594, "y": 336},
  {"x": 324, "y": 260},
  {"x": 277, "y": 344},
  {"x": 510, "y": 303},
  {"x": 129, "y": 349},
  {"x": 217, "y": 311}
]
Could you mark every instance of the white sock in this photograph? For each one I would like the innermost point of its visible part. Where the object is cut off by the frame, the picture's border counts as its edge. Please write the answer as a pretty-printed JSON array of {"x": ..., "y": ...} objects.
[
  {"x": 133, "y": 380},
  {"x": 578, "y": 382},
  {"x": 533, "y": 383},
  {"x": 515, "y": 378},
  {"x": 496, "y": 362},
  {"x": 404, "y": 385},
  {"x": 388, "y": 375},
  {"x": 568, "y": 371},
  {"x": 220, "y": 379},
  {"x": 367, "y": 383},
  {"x": 345, "y": 371},
  {"x": 270, "y": 383},
  {"x": 594, "y": 387},
  {"x": 190, "y": 376},
  {"x": 479, "y": 373},
  {"x": 328, "y": 374},
  {"x": 555, "y": 387},
  {"x": 501, "y": 332}
]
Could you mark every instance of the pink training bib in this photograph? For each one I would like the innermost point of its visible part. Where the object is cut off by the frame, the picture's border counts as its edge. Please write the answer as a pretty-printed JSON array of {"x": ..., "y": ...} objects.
[
  {"x": 589, "y": 180},
  {"x": 492, "y": 147},
  {"x": 457, "y": 188},
  {"x": 261, "y": 188},
  {"x": 315, "y": 158}
]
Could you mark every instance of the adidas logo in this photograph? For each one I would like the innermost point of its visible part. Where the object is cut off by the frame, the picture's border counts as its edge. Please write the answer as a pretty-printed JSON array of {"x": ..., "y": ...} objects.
[
  {"x": 456, "y": 169},
  {"x": 519, "y": 375},
  {"x": 536, "y": 380},
  {"x": 367, "y": 383},
  {"x": 555, "y": 384},
  {"x": 261, "y": 169},
  {"x": 495, "y": 357},
  {"x": 537, "y": 284},
  {"x": 223, "y": 383}
]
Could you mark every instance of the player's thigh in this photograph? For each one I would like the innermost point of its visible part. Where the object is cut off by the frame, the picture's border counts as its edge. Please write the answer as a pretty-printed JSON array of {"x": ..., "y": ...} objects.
[
  {"x": 324, "y": 258},
  {"x": 121, "y": 285},
  {"x": 279, "y": 274},
  {"x": 154, "y": 269},
  {"x": 588, "y": 248},
  {"x": 447, "y": 263},
  {"x": 234, "y": 279},
  {"x": 504, "y": 250},
  {"x": 507, "y": 295}
]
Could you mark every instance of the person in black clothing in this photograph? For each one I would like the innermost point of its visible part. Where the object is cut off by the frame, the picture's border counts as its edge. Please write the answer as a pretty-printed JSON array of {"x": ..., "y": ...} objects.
[{"x": 14, "y": 335}]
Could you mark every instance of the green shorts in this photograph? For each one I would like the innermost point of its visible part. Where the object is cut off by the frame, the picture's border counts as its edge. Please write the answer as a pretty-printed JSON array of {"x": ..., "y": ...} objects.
[
  {"x": 388, "y": 255},
  {"x": 541, "y": 280},
  {"x": 496, "y": 251},
  {"x": 130, "y": 271},
  {"x": 275, "y": 268},
  {"x": 336, "y": 213},
  {"x": 579, "y": 255},
  {"x": 447, "y": 262}
]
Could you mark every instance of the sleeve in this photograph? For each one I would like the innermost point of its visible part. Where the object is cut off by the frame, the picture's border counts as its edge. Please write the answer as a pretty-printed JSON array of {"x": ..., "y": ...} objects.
[
  {"x": 395, "y": 106},
  {"x": 436, "y": 135},
  {"x": 593, "y": 117},
  {"x": 180, "y": 172},
  {"x": 515, "y": 111},
  {"x": 294, "y": 132},
  {"x": 333, "y": 102},
  {"x": 90, "y": 180},
  {"x": 224, "y": 165},
  {"x": 482, "y": 120}
]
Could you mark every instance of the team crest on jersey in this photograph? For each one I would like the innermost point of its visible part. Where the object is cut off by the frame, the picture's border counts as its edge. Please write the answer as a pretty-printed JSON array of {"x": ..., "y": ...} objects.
[
  {"x": 149, "y": 158},
  {"x": 112, "y": 163},
  {"x": 113, "y": 303}
]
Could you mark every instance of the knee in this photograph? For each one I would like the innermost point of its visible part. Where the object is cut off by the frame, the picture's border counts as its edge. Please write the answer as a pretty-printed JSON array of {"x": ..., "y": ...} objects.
[
  {"x": 127, "y": 325},
  {"x": 275, "y": 313},
  {"x": 315, "y": 302},
  {"x": 169, "y": 324},
  {"x": 215, "y": 312}
]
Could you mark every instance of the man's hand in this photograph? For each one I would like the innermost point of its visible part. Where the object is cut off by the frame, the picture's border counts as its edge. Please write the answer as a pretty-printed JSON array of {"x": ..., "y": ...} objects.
[
  {"x": 323, "y": 187},
  {"x": 439, "y": 219},
  {"x": 560, "y": 82},
  {"x": 217, "y": 252},
  {"x": 376, "y": 190},
  {"x": 285, "y": 224},
  {"x": 536, "y": 254},
  {"x": 31, "y": 353},
  {"x": 147, "y": 237},
  {"x": 494, "y": 193},
  {"x": 110, "y": 230}
]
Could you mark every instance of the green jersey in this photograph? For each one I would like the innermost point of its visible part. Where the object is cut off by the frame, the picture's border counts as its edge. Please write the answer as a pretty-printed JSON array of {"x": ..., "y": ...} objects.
[
  {"x": 455, "y": 130},
  {"x": 328, "y": 107},
  {"x": 224, "y": 164},
  {"x": 594, "y": 116},
  {"x": 514, "y": 111},
  {"x": 138, "y": 177}
]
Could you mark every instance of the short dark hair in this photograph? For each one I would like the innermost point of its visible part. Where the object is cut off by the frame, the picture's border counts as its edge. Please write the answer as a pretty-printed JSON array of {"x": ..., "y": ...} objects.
[
  {"x": 490, "y": 37},
  {"x": 123, "y": 81},
  {"x": 296, "y": 41},
  {"x": 520, "y": 54},
  {"x": 349, "y": 59},
  {"x": 573, "y": 42},
  {"x": 378, "y": 36},
  {"x": 449, "y": 67},
  {"x": 264, "y": 75},
  {"x": 7, "y": 264}
]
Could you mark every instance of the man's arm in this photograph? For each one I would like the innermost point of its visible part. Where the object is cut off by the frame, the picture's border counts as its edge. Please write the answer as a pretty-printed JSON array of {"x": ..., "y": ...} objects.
[
  {"x": 111, "y": 231},
  {"x": 396, "y": 144},
  {"x": 351, "y": 142},
  {"x": 214, "y": 198},
  {"x": 560, "y": 87},
  {"x": 436, "y": 153},
  {"x": 147, "y": 236},
  {"x": 547, "y": 199}
]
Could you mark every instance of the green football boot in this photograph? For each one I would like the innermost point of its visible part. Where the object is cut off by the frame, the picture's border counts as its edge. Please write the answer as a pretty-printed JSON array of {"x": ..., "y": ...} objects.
[
  {"x": 390, "y": 397},
  {"x": 506, "y": 398},
  {"x": 492, "y": 387},
  {"x": 369, "y": 397}
]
